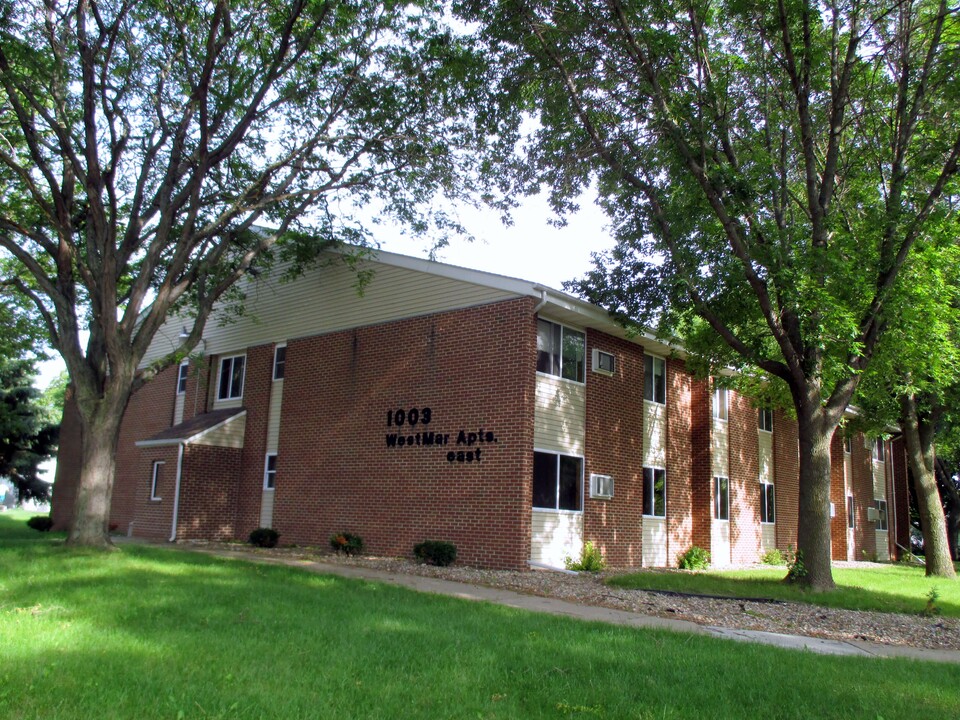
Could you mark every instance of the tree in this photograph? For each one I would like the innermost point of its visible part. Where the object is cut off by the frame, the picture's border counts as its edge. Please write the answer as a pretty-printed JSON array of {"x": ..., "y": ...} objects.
[
  {"x": 768, "y": 168},
  {"x": 915, "y": 377},
  {"x": 147, "y": 144},
  {"x": 26, "y": 437}
]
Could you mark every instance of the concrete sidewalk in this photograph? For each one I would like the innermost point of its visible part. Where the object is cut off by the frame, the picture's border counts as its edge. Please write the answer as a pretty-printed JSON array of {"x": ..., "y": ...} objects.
[{"x": 593, "y": 613}]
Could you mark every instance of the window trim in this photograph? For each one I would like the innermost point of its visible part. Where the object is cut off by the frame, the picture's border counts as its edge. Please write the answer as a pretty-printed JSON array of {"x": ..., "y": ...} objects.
[
  {"x": 767, "y": 488},
  {"x": 761, "y": 413},
  {"x": 558, "y": 509},
  {"x": 716, "y": 498},
  {"x": 243, "y": 377},
  {"x": 882, "y": 523},
  {"x": 653, "y": 361},
  {"x": 583, "y": 376},
  {"x": 653, "y": 482},
  {"x": 270, "y": 476},
  {"x": 155, "y": 480},
  {"x": 725, "y": 415},
  {"x": 182, "y": 377},
  {"x": 282, "y": 364}
]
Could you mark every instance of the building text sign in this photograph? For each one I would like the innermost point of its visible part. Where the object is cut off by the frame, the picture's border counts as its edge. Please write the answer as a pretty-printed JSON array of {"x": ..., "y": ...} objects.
[{"x": 410, "y": 430}]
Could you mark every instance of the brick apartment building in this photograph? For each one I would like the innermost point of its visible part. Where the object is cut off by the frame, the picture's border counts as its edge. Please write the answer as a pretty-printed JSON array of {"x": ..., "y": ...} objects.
[{"x": 444, "y": 403}]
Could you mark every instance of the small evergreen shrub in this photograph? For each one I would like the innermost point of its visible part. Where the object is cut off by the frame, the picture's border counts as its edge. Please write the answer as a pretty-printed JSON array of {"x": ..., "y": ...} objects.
[
  {"x": 347, "y": 544},
  {"x": 796, "y": 571},
  {"x": 436, "y": 552},
  {"x": 591, "y": 559},
  {"x": 264, "y": 537},
  {"x": 773, "y": 557},
  {"x": 40, "y": 523},
  {"x": 696, "y": 558}
]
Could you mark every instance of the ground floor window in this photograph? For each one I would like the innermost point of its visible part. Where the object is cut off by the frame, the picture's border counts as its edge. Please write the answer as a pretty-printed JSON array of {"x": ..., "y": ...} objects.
[
  {"x": 768, "y": 505},
  {"x": 881, "y": 515},
  {"x": 270, "y": 472},
  {"x": 654, "y": 492},
  {"x": 155, "y": 479},
  {"x": 557, "y": 481},
  {"x": 851, "y": 513},
  {"x": 721, "y": 498}
]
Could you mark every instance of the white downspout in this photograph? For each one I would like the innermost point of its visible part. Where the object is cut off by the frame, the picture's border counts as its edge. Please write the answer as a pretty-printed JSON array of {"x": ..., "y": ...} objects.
[
  {"x": 543, "y": 300},
  {"x": 176, "y": 493}
]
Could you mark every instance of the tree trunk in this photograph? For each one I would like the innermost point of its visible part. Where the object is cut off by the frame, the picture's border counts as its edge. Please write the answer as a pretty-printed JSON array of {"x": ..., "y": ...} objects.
[
  {"x": 99, "y": 438},
  {"x": 918, "y": 437},
  {"x": 814, "y": 548}
]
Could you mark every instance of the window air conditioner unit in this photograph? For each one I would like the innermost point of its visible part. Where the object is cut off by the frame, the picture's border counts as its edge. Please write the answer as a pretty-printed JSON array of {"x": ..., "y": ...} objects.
[
  {"x": 873, "y": 514},
  {"x": 601, "y": 486}
]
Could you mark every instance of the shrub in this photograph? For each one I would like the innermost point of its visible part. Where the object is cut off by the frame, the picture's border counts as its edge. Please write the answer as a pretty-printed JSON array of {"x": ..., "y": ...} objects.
[
  {"x": 773, "y": 557},
  {"x": 40, "y": 523},
  {"x": 591, "y": 559},
  {"x": 696, "y": 558},
  {"x": 346, "y": 543},
  {"x": 264, "y": 537},
  {"x": 797, "y": 571},
  {"x": 435, "y": 552}
]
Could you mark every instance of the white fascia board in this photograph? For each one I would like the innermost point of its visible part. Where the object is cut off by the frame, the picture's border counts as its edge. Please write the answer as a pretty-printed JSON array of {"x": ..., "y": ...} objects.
[{"x": 192, "y": 438}]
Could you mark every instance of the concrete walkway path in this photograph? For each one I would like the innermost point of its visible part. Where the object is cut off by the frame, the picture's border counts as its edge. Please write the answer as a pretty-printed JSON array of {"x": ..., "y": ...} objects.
[{"x": 593, "y": 613}]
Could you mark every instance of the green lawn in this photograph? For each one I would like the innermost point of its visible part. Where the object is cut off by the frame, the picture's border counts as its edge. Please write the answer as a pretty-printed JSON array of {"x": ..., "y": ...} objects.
[
  {"x": 884, "y": 588},
  {"x": 148, "y": 632}
]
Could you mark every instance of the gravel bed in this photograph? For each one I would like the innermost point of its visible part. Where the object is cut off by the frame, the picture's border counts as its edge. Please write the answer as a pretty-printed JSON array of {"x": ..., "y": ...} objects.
[{"x": 589, "y": 589}]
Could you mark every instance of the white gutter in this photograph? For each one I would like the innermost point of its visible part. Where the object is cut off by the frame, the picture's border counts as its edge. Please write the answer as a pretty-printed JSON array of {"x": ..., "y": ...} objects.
[
  {"x": 176, "y": 493},
  {"x": 543, "y": 301}
]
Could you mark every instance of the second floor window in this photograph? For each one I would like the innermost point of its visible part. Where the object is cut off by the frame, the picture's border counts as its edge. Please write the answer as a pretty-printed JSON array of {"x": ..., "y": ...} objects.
[
  {"x": 766, "y": 419},
  {"x": 720, "y": 403},
  {"x": 182, "y": 376},
  {"x": 231, "y": 378},
  {"x": 560, "y": 351},
  {"x": 655, "y": 379}
]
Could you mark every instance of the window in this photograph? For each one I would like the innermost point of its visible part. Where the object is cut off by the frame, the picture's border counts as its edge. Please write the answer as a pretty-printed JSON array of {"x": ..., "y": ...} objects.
[
  {"x": 765, "y": 421},
  {"x": 721, "y": 498},
  {"x": 603, "y": 362},
  {"x": 878, "y": 450},
  {"x": 881, "y": 515},
  {"x": 601, "y": 486},
  {"x": 182, "y": 374},
  {"x": 557, "y": 481},
  {"x": 560, "y": 351},
  {"x": 231, "y": 378},
  {"x": 720, "y": 403},
  {"x": 270, "y": 472},
  {"x": 155, "y": 479},
  {"x": 655, "y": 379},
  {"x": 768, "y": 504},
  {"x": 279, "y": 362},
  {"x": 654, "y": 492},
  {"x": 848, "y": 444},
  {"x": 851, "y": 513}
]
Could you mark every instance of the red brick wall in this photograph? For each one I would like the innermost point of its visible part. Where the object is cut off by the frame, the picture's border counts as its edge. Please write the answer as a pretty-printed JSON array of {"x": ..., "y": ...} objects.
[
  {"x": 614, "y": 446},
  {"x": 153, "y": 518},
  {"x": 900, "y": 500},
  {"x": 209, "y": 492},
  {"x": 838, "y": 496},
  {"x": 744, "y": 480},
  {"x": 786, "y": 473},
  {"x": 701, "y": 412},
  {"x": 474, "y": 369},
  {"x": 865, "y": 540},
  {"x": 257, "y": 383},
  {"x": 682, "y": 507}
]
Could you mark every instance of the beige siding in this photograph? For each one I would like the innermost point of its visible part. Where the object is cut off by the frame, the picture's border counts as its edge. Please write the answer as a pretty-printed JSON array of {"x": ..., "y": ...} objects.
[
  {"x": 655, "y": 542},
  {"x": 273, "y": 419},
  {"x": 326, "y": 299},
  {"x": 879, "y": 480},
  {"x": 555, "y": 536},
  {"x": 765, "y": 452},
  {"x": 720, "y": 448},
  {"x": 654, "y": 435},
  {"x": 768, "y": 536},
  {"x": 266, "y": 509},
  {"x": 560, "y": 415},
  {"x": 178, "y": 408},
  {"x": 230, "y": 434},
  {"x": 720, "y": 542},
  {"x": 883, "y": 547}
]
